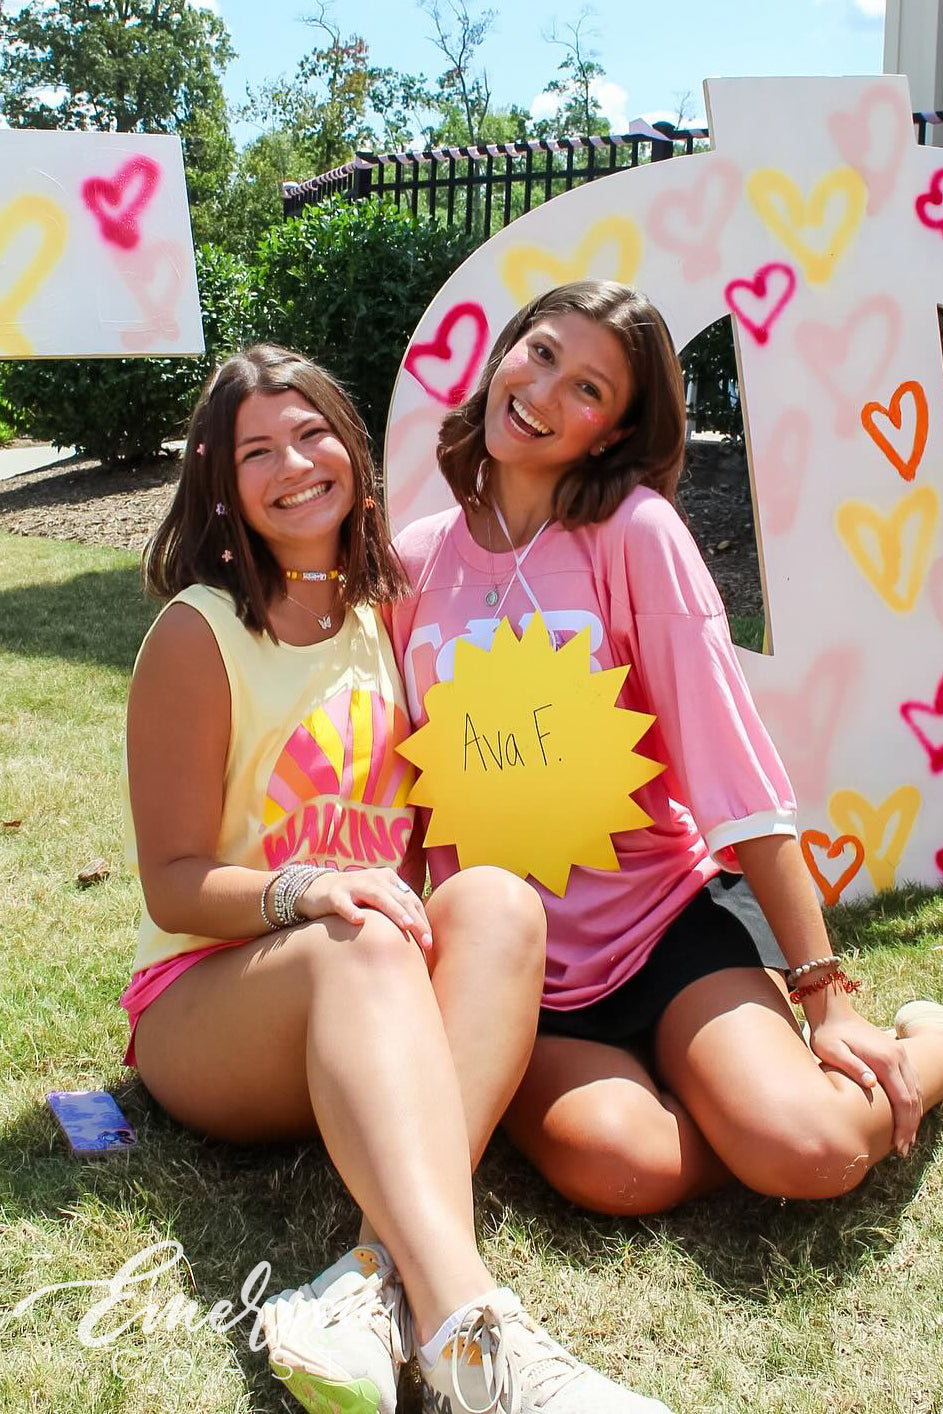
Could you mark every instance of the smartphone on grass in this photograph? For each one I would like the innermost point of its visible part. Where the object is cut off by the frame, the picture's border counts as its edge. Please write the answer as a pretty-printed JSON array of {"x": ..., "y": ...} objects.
[{"x": 91, "y": 1121}]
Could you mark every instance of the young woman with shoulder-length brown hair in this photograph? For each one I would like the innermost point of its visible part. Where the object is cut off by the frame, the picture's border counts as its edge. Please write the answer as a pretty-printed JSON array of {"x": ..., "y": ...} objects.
[
  {"x": 667, "y": 1056},
  {"x": 204, "y": 523},
  {"x": 649, "y": 454}
]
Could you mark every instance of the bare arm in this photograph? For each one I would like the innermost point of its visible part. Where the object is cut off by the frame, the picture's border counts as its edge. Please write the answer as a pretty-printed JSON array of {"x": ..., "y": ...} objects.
[
  {"x": 178, "y": 737},
  {"x": 776, "y": 872}
]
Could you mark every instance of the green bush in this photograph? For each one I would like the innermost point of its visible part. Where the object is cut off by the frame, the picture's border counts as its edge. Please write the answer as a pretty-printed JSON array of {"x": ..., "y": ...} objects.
[
  {"x": 347, "y": 284},
  {"x": 121, "y": 410}
]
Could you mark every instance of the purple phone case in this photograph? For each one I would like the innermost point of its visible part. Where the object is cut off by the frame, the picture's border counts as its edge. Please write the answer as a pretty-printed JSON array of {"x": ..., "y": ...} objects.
[{"x": 91, "y": 1121}]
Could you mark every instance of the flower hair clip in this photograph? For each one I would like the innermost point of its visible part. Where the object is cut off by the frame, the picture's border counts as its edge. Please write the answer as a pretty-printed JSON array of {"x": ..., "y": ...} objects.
[
  {"x": 221, "y": 508},
  {"x": 226, "y": 557}
]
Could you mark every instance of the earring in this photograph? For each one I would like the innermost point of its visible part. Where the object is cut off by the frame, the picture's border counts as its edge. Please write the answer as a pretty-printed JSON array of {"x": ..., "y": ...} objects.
[{"x": 598, "y": 451}]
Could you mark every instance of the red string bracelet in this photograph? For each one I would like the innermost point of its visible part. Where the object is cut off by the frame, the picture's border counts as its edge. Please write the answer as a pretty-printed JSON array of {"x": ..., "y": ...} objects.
[{"x": 838, "y": 978}]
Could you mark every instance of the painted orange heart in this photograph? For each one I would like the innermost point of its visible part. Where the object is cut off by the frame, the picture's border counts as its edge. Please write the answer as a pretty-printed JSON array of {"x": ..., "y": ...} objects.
[
  {"x": 831, "y": 891},
  {"x": 906, "y": 466}
]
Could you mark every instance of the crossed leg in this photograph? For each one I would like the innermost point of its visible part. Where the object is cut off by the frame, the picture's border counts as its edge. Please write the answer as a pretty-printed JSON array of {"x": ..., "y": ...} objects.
[
  {"x": 738, "y": 1093},
  {"x": 339, "y": 1029}
]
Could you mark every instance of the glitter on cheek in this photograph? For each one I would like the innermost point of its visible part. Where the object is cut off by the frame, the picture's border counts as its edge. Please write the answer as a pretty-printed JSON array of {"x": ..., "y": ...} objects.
[
  {"x": 593, "y": 416},
  {"x": 514, "y": 359}
]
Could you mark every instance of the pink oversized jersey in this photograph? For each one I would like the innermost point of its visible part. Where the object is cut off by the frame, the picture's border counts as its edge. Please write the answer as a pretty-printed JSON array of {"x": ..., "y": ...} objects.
[{"x": 638, "y": 583}]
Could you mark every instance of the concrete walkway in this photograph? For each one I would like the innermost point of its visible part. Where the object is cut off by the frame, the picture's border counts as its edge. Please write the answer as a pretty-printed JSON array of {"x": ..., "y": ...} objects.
[{"x": 14, "y": 461}]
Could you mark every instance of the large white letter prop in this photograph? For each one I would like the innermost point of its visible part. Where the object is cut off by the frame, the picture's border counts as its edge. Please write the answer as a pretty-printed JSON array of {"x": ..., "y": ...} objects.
[
  {"x": 96, "y": 258},
  {"x": 817, "y": 222}
]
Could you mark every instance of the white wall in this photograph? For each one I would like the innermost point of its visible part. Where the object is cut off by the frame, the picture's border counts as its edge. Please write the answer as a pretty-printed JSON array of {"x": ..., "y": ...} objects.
[{"x": 913, "y": 45}]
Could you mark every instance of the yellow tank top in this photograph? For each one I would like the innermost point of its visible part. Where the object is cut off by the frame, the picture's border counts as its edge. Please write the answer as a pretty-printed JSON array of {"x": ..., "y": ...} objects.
[{"x": 311, "y": 772}]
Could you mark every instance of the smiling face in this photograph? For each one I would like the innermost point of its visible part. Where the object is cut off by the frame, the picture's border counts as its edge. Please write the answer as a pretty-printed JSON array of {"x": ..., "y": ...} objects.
[
  {"x": 295, "y": 479},
  {"x": 557, "y": 395}
]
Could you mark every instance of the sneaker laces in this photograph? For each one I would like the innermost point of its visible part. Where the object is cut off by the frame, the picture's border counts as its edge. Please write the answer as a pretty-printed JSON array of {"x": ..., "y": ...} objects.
[
  {"x": 379, "y": 1303},
  {"x": 537, "y": 1362}
]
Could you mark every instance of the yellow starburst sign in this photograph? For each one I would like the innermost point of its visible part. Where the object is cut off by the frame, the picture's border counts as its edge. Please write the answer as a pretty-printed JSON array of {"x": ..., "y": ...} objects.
[{"x": 526, "y": 760}]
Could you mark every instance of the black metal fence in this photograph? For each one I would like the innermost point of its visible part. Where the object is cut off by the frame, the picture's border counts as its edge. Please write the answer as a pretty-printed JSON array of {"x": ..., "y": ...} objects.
[{"x": 484, "y": 188}]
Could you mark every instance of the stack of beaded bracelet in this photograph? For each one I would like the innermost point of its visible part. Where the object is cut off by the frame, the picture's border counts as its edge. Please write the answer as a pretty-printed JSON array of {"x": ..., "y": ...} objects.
[
  {"x": 287, "y": 887},
  {"x": 831, "y": 968}
]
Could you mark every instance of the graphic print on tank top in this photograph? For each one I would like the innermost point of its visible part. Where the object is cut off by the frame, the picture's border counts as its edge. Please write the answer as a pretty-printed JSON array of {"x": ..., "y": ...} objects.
[{"x": 337, "y": 794}]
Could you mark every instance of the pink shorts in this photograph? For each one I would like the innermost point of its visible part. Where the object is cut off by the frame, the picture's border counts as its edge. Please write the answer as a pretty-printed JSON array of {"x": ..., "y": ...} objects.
[{"x": 146, "y": 986}]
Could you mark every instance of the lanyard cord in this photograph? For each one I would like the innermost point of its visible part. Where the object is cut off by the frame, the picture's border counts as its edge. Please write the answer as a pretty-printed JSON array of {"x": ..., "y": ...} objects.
[{"x": 518, "y": 561}]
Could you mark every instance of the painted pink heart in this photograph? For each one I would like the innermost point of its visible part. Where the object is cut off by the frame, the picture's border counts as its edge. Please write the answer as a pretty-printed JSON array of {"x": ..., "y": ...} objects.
[
  {"x": 914, "y": 714},
  {"x": 689, "y": 222},
  {"x": 935, "y": 586},
  {"x": 859, "y": 132},
  {"x": 437, "y": 366},
  {"x": 411, "y": 477},
  {"x": 154, "y": 274},
  {"x": 804, "y": 723},
  {"x": 857, "y": 354},
  {"x": 929, "y": 204},
  {"x": 115, "y": 209},
  {"x": 767, "y": 305},
  {"x": 780, "y": 470}
]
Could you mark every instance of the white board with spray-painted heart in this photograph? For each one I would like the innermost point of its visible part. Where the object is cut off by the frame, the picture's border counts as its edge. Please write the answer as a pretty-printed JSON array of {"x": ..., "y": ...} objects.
[
  {"x": 96, "y": 257},
  {"x": 816, "y": 222}
]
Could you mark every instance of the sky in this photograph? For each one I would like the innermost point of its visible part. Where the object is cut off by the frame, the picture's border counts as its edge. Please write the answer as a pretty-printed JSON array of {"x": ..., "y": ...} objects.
[{"x": 652, "y": 54}]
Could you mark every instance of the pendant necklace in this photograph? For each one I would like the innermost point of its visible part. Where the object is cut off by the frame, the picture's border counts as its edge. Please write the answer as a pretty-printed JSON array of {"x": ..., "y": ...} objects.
[
  {"x": 325, "y": 620},
  {"x": 492, "y": 598}
]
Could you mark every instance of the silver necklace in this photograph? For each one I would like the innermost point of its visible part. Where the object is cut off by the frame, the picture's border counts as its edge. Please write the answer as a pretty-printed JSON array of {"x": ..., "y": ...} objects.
[
  {"x": 491, "y": 598},
  {"x": 325, "y": 620}
]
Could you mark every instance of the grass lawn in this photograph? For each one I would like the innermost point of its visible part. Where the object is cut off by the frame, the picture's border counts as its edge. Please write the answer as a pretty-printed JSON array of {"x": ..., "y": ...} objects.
[{"x": 737, "y": 1303}]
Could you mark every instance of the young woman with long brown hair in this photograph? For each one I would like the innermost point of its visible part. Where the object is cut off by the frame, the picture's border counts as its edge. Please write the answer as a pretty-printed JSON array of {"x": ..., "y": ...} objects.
[{"x": 288, "y": 979}]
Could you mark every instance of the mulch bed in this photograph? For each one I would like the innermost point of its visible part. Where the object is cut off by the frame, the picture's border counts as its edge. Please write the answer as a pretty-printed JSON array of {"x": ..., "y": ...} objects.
[{"x": 79, "y": 500}]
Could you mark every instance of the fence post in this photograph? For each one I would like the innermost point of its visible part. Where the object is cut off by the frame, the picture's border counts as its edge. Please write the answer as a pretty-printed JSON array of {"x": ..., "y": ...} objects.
[
  {"x": 664, "y": 149},
  {"x": 362, "y": 183}
]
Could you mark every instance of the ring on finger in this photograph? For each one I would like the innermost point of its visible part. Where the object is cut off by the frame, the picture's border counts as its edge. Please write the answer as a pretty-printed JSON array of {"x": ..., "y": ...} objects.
[{"x": 402, "y": 885}]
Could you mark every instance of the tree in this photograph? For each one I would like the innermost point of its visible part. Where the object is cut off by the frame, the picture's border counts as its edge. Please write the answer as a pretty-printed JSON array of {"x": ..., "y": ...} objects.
[
  {"x": 127, "y": 66},
  {"x": 578, "y": 109},
  {"x": 462, "y": 95},
  {"x": 113, "y": 65}
]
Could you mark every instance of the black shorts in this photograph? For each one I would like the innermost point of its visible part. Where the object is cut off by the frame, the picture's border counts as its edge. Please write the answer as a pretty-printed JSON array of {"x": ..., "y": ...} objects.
[{"x": 722, "y": 926}]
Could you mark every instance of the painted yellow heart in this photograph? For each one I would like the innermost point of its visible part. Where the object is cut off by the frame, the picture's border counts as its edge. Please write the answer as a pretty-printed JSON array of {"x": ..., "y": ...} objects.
[
  {"x": 853, "y": 814},
  {"x": 782, "y": 207},
  {"x": 28, "y": 210},
  {"x": 529, "y": 270},
  {"x": 897, "y": 576}
]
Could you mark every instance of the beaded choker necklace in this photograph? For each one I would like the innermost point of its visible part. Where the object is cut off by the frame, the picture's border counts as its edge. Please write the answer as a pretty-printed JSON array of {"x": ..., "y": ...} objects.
[{"x": 317, "y": 576}]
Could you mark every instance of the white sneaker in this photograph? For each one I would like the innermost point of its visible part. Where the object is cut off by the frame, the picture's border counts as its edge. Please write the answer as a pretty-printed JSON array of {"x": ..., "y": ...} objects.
[
  {"x": 499, "y": 1360},
  {"x": 340, "y": 1342},
  {"x": 915, "y": 1017}
]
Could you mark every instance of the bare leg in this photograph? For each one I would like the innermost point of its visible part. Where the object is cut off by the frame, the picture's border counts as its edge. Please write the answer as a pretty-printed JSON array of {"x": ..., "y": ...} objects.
[
  {"x": 782, "y": 1123},
  {"x": 334, "y": 1028},
  {"x": 487, "y": 972},
  {"x": 596, "y": 1125},
  {"x": 487, "y": 967}
]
